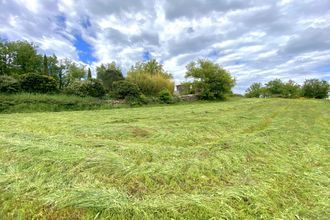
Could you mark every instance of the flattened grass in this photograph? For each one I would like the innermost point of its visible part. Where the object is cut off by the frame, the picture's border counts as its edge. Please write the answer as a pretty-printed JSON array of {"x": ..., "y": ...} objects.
[{"x": 242, "y": 159}]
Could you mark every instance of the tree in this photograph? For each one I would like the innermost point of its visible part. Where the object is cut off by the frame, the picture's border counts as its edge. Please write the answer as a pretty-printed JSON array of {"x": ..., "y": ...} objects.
[
  {"x": 5, "y": 59},
  {"x": 75, "y": 72},
  {"x": 89, "y": 74},
  {"x": 19, "y": 57},
  {"x": 275, "y": 87},
  {"x": 55, "y": 70},
  {"x": 45, "y": 66},
  {"x": 291, "y": 90},
  {"x": 150, "y": 77},
  {"x": 210, "y": 79},
  {"x": 315, "y": 88},
  {"x": 254, "y": 91},
  {"x": 70, "y": 72},
  {"x": 108, "y": 74}
]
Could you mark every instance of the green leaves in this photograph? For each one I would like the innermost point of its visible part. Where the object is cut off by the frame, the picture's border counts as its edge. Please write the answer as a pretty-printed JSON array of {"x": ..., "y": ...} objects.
[{"x": 210, "y": 79}]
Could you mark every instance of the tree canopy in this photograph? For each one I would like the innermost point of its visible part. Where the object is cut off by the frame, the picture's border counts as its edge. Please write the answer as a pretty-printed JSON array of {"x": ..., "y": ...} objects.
[
  {"x": 108, "y": 74},
  {"x": 210, "y": 79}
]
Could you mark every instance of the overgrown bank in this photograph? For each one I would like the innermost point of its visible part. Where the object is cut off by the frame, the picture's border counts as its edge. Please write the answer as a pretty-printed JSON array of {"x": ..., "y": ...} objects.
[{"x": 25, "y": 102}]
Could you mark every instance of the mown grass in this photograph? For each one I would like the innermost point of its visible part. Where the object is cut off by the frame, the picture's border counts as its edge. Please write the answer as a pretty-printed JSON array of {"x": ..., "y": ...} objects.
[{"x": 242, "y": 159}]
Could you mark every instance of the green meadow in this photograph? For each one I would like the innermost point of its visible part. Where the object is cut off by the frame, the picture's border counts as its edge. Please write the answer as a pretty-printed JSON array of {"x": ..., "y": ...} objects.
[{"x": 239, "y": 159}]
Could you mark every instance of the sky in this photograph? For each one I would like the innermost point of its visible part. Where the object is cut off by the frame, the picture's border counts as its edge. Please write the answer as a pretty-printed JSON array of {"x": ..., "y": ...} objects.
[{"x": 257, "y": 40}]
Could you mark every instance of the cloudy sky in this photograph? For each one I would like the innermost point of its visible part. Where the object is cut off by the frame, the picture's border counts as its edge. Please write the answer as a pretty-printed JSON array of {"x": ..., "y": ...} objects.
[{"x": 255, "y": 40}]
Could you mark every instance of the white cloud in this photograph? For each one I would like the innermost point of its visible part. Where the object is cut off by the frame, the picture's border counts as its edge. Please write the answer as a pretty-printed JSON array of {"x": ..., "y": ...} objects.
[{"x": 256, "y": 40}]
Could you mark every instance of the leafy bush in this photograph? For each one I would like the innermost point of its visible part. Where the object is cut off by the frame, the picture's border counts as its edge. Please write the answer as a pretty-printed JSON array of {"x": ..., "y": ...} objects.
[
  {"x": 291, "y": 90},
  {"x": 315, "y": 88},
  {"x": 165, "y": 96},
  {"x": 36, "y": 83},
  {"x": 125, "y": 90},
  {"x": 210, "y": 79},
  {"x": 275, "y": 88},
  {"x": 108, "y": 74},
  {"x": 151, "y": 78},
  {"x": 254, "y": 91},
  {"x": 9, "y": 84},
  {"x": 91, "y": 87}
]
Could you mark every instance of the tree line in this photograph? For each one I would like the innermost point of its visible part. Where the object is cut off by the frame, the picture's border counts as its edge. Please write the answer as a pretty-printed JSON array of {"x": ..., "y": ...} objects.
[
  {"x": 311, "y": 88},
  {"x": 23, "y": 69}
]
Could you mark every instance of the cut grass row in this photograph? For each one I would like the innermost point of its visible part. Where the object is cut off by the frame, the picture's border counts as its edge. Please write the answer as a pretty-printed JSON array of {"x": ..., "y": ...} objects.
[{"x": 242, "y": 159}]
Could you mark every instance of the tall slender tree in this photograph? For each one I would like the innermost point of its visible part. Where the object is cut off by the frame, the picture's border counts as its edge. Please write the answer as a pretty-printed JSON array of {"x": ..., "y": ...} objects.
[
  {"x": 45, "y": 70},
  {"x": 89, "y": 74}
]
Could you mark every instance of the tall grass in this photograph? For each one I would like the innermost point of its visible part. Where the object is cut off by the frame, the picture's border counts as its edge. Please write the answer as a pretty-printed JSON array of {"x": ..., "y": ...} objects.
[
  {"x": 149, "y": 84},
  {"x": 27, "y": 102}
]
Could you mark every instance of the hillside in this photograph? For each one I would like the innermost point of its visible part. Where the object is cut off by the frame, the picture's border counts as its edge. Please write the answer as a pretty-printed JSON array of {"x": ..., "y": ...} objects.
[{"x": 241, "y": 159}]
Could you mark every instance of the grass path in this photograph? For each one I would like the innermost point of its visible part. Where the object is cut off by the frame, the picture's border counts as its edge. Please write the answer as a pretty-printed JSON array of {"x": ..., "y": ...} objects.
[{"x": 248, "y": 158}]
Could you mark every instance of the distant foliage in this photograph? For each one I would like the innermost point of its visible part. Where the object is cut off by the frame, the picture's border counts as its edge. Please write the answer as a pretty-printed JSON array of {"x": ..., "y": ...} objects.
[
  {"x": 210, "y": 79},
  {"x": 315, "y": 88},
  {"x": 254, "y": 91},
  {"x": 151, "y": 78},
  {"x": 36, "y": 83},
  {"x": 291, "y": 90},
  {"x": 312, "y": 88},
  {"x": 19, "y": 57},
  {"x": 125, "y": 90},
  {"x": 165, "y": 96},
  {"x": 275, "y": 88},
  {"x": 108, "y": 74},
  {"x": 84, "y": 88},
  {"x": 9, "y": 84}
]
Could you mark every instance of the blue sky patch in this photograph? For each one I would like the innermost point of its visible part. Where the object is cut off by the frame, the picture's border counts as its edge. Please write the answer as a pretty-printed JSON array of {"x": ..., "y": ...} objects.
[
  {"x": 146, "y": 56},
  {"x": 85, "y": 51}
]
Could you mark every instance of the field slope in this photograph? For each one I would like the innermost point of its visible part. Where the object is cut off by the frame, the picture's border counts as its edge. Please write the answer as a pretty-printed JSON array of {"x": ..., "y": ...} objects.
[{"x": 242, "y": 159}]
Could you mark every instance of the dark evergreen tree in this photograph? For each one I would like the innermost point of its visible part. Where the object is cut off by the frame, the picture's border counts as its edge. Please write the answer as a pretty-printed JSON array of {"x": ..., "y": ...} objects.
[
  {"x": 45, "y": 71},
  {"x": 89, "y": 74}
]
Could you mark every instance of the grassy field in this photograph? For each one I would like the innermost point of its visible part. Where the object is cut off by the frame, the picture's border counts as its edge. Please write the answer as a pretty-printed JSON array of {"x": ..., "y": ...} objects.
[{"x": 241, "y": 159}]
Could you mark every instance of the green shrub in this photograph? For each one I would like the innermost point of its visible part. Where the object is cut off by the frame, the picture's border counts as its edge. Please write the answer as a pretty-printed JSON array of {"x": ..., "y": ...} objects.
[
  {"x": 165, "y": 96},
  {"x": 150, "y": 77},
  {"x": 36, "y": 83},
  {"x": 125, "y": 90},
  {"x": 315, "y": 88},
  {"x": 91, "y": 87},
  {"x": 9, "y": 84},
  {"x": 211, "y": 81},
  {"x": 254, "y": 91}
]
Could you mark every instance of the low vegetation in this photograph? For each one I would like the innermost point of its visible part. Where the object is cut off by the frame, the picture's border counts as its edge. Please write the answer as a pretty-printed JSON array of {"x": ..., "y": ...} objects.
[
  {"x": 27, "y": 102},
  {"x": 242, "y": 159},
  {"x": 312, "y": 88}
]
